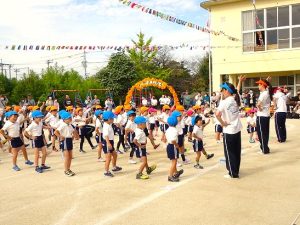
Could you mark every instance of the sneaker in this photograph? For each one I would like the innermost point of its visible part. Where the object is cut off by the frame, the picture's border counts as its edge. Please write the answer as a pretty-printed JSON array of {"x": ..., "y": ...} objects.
[
  {"x": 179, "y": 164},
  {"x": 219, "y": 142},
  {"x": 260, "y": 152},
  {"x": 39, "y": 169},
  {"x": 48, "y": 145},
  {"x": 44, "y": 167},
  {"x": 16, "y": 168},
  {"x": 68, "y": 173},
  {"x": 101, "y": 160},
  {"x": 94, "y": 147},
  {"x": 179, "y": 173},
  {"x": 131, "y": 161},
  {"x": 82, "y": 151},
  {"x": 28, "y": 162},
  {"x": 251, "y": 141},
  {"x": 198, "y": 166},
  {"x": 227, "y": 176},
  {"x": 72, "y": 173},
  {"x": 142, "y": 176},
  {"x": 116, "y": 169},
  {"x": 108, "y": 174},
  {"x": 151, "y": 169},
  {"x": 173, "y": 179},
  {"x": 120, "y": 152},
  {"x": 209, "y": 156},
  {"x": 186, "y": 162}
]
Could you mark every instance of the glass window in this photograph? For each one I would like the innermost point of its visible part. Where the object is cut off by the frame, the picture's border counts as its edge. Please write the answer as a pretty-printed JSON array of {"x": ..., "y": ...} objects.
[
  {"x": 296, "y": 14},
  {"x": 260, "y": 41},
  {"x": 259, "y": 20},
  {"x": 272, "y": 39},
  {"x": 274, "y": 81},
  {"x": 248, "y": 42},
  {"x": 284, "y": 38},
  {"x": 283, "y": 16},
  {"x": 271, "y": 17},
  {"x": 296, "y": 37},
  {"x": 282, "y": 80},
  {"x": 297, "y": 79},
  {"x": 286, "y": 80},
  {"x": 248, "y": 20}
]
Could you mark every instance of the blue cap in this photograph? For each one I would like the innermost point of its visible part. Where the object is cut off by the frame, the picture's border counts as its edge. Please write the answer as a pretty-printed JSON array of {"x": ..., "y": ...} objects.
[
  {"x": 172, "y": 121},
  {"x": 108, "y": 115},
  {"x": 226, "y": 87},
  {"x": 37, "y": 114},
  {"x": 176, "y": 113},
  {"x": 131, "y": 112},
  {"x": 10, "y": 113},
  {"x": 66, "y": 115},
  {"x": 61, "y": 112},
  {"x": 195, "y": 119},
  {"x": 140, "y": 120},
  {"x": 98, "y": 112}
]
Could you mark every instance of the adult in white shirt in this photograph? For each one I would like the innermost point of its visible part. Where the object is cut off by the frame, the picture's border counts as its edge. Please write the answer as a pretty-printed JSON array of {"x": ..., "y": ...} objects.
[
  {"x": 162, "y": 101},
  {"x": 280, "y": 100},
  {"x": 228, "y": 115},
  {"x": 263, "y": 115},
  {"x": 154, "y": 102},
  {"x": 144, "y": 101}
]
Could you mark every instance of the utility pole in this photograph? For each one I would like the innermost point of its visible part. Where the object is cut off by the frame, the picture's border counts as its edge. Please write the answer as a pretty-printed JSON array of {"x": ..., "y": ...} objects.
[
  {"x": 48, "y": 63},
  {"x": 17, "y": 71},
  {"x": 84, "y": 63},
  {"x": 9, "y": 69}
]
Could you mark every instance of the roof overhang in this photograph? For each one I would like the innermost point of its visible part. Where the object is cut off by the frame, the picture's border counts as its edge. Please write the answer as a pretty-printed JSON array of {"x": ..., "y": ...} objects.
[{"x": 208, "y": 4}]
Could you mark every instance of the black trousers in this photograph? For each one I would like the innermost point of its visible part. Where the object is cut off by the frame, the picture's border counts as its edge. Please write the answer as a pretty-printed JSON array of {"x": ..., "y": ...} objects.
[
  {"x": 232, "y": 152},
  {"x": 280, "y": 119},
  {"x": 263, "y": 132}
]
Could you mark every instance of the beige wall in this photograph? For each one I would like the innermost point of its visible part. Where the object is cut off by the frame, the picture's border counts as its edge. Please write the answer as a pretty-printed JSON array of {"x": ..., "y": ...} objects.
[{"x": 227, "y": 17}]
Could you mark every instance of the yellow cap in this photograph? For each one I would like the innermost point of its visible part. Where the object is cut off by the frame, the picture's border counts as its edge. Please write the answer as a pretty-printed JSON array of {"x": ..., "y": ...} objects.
[
  {"x": 36, "y": 107},
  {"x": 69, "y": 107},
  {"x": 48, "y": 108},
  {"x": 144, "y": 109},
  {"x": 53, "y": 108},
  {"x": 180, "y": 108},
  {"x": 195, "y": 107},
  {"x": 78, "y": 109},
  {"x": 7, "y": 108},
  {"x": 166, "y": 107},
  {"x": 98, "y": 107}
]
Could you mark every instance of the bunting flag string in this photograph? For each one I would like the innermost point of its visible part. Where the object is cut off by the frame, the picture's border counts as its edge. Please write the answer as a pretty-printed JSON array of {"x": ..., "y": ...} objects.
[
  {"x": 105, "y": 48},
  {"x": 169, "y": 18}
]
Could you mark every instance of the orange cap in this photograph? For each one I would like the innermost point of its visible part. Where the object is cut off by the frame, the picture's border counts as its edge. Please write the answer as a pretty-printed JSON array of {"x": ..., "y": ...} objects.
[
  {"x": 144, "y": 109},
  {"x": 53, "y": 108},
  {"x": 195, "y": 107},
  {"x": 127, "y": 107},
  {"x": 118, "y": 109},
  {"x": 78, "y": 109},
  {"x": 17, "y": 108},
  {"x": 166, "y": 107},
  {"x": 262, "y": 83},
  {"x": 180, "y": 108},
  {"x": 7, "y": 108},
  {"x": 30, "y": 108}
]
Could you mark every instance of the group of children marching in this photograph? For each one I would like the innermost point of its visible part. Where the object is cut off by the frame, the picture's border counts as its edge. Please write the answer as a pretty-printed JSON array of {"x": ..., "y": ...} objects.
[{"x": 133, "y": 128}]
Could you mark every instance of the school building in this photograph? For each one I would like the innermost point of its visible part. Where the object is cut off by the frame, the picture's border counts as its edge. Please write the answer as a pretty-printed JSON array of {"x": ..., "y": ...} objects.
[{"x": 269, "y": 41}]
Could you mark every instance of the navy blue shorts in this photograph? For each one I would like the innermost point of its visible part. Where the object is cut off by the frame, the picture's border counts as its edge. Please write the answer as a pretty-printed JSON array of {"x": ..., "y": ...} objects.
[
  {"x": 190, "y": 128},
  {"x": 52, "y": 132},
  {"x": 140, "y": 152},
  {"x": 152, "y": 126},
  {"x": 185, "y": 130},
  {"x": 251, "y": 129},
  {"x": 67, "y": 144},
  {"x": 130, "y": 137},
  {"x": 99, "y": 139},
  {"x": 181, "y": 140},
  {"x": 172, "y": 152},
  {"x": 218, "y": 128},
  {"x": 146, "y": 132},
  {"x": 164, "y": 127},
  {"x": 16, "y": 142},
  {"x": 156, "y": 123},
  {"x": 197, "y": 145},
  {"x": 38, "y": 142},
  {"x": 105, "y": 148}
]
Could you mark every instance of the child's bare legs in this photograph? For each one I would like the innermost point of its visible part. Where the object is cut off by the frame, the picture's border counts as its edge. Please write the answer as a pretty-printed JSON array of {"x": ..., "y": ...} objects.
[
  {"x": 44, "y": 155},
  {"x": 14, "y": 155},
  {"x": 107, "y": 161},
  {"x": 218, "y": 136},
  {"x": 24, "y": 152},
  {"x": 68, "y": 159},
  {"x": 173, "y": 168},
  {"x": 114, "y": 160},
  {"x": 198, "y": 155},
  {"x": 36, "y": 156},
  {"x": 144, "y": 164},
  {"x": 99, "y": 150}
]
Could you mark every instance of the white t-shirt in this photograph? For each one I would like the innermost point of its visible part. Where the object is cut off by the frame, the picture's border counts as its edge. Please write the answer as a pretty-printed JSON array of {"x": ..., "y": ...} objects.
[
  {"x": 53, "y": 121},
  {"x": 121, "y": 120},
  {"x": 140, "y": 136},
  {"x": 153, "y": 102},
  {"x": 179, "y": 128},
  {"x": 230, "y": 114},
  {"x": 79, "y": 121},
  {"x": 130, "y": 125},
  {"x": 13, "y": 129},
  {"x": 167, "y": 101},
  {"x": 108, "y": 131},
  {"x": 164, "y": 117},
  {"x": 265, "y": 100},
  {"x": 21, "y": 119},
  {"x": 188, "y": 121},
  {"x": 280, "y": 99},
  {"x": 251, "y": 120},
  {"x": 35, "y": 129},
  {"x": 198, "y": 131},
  {"x": 65, "y": 130},
  {"x": 99, "y": 125},
  {"x": 172, "y": 135},
  {"x": 162, "y": 101},
  {"x": 151, "y": 119},
  {"x": 144, "y": 102}
]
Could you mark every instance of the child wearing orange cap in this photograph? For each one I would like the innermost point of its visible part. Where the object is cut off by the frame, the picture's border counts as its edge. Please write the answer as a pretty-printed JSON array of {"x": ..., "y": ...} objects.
[
  {"x": 120, "y": 123},
  {"x": 163, "y": 121},
  {"x": 53, "y": 122}
]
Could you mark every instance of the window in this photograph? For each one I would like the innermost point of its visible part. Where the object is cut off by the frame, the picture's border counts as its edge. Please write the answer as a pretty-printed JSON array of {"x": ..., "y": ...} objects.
[
  {"x": 271, "y": 28},
  {"x": 298, "y": 79},
  {"x": 296, "y": 14},
  {"x": 286, "y": 80}
]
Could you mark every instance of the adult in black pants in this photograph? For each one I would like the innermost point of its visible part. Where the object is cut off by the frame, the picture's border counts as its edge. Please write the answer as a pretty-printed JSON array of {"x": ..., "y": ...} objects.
[
  {"x": 228, "y": 115},
  {"x": 280, "y": 100},
  {"x": 263, "y": 114}
]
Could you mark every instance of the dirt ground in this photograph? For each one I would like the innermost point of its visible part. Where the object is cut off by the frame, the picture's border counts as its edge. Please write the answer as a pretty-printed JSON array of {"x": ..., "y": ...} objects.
[{"x": 267, "y": 193}]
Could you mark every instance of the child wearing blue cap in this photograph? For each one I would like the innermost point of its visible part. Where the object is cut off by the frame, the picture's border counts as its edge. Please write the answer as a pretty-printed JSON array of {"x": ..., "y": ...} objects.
[
  {"x": 129, "y": 134},
  {"x": 66, "y": 133},
  {"x": 12, "y": 127},
  {"x": 172, "y": 149},
  {"x": 140, "y": 140},
  {"x": 99, "y": 131},
  {"x": 35, "y": 133},
  {"x": 108, "y": 144}
]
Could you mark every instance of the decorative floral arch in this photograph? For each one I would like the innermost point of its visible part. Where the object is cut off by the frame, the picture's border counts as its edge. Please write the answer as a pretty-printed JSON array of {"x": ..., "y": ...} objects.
[{"x": 151, "y": 82}]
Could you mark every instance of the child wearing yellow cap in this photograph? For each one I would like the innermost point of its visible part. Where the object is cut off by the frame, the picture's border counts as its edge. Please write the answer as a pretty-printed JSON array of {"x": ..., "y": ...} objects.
[{"x": 120, "y": 123}]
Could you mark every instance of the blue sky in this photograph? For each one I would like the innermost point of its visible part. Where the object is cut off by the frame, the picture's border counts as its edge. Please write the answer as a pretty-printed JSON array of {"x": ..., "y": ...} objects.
[{"x": 93, "y": 22}]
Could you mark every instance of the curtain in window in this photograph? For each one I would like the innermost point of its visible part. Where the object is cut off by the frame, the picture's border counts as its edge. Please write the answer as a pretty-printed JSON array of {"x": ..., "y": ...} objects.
[{"x": 248, "y": 21}]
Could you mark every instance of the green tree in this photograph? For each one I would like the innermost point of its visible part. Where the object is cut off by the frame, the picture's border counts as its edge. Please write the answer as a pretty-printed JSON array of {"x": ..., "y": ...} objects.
[
  {"x": 201, "y": 76},
  {"x": 118, "y": 74}
]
